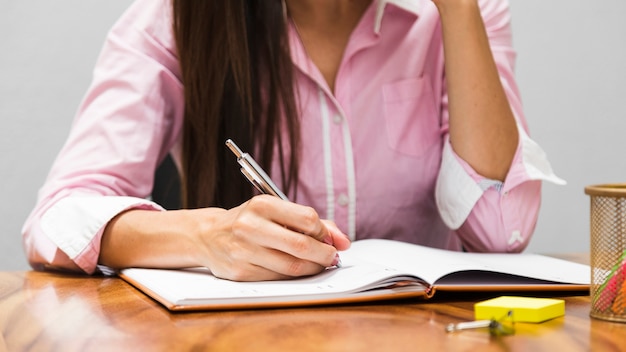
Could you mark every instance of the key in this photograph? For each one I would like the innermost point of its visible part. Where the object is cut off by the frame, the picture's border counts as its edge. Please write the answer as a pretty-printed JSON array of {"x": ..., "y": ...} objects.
[
  {"x": 478, "y": 324},
  {"x": 503, "y": 326}
]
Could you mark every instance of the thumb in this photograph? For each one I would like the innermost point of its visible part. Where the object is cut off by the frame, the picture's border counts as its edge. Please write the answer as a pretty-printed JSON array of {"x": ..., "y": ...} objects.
[{"x": 338, "y": 239}]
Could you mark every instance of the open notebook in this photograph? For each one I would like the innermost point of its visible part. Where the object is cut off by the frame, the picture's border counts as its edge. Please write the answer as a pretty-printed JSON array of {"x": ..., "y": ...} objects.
[{"x": 372, "y": 270}]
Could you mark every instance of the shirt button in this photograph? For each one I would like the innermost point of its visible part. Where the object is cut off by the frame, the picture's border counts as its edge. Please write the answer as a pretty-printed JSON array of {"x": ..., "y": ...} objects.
[
  {"x": 343, "y": 200},
  {"x": 337, "y": 119}
]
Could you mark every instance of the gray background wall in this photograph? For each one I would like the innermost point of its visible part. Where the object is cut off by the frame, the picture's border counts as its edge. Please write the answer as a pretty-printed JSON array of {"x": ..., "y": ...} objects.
[{"x": 571, "y": 71}]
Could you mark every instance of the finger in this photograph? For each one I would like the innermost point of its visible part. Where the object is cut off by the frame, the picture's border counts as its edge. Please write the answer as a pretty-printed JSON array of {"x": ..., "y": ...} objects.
[
  {"x": 295, "y": 244},
  {"x": 299, "y": 218},
  {"x": 246, "y": 261},
  {"x": 285, "y": 265},
  {"x": 247, "y": 272},
  {"x": 340, "y": 240},
  {"x": 255, "y": 263}
]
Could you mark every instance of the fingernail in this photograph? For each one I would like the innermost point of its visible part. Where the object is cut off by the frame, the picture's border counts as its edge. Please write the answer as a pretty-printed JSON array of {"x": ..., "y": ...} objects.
[
  {"x": 328, "y": 240},
  {"x": 337, "y": 261}
]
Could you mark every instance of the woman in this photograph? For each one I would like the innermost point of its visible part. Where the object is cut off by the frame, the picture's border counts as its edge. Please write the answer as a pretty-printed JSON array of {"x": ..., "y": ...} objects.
[{"x": 392, "y": 119}]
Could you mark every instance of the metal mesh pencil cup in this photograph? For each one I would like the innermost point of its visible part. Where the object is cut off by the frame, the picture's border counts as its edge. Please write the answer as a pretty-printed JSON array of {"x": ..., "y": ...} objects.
[{"x": 608, "y": 251}]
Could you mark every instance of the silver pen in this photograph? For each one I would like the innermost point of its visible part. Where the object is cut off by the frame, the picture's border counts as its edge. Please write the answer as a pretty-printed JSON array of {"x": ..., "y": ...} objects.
[{"x": 254, "y": 173}]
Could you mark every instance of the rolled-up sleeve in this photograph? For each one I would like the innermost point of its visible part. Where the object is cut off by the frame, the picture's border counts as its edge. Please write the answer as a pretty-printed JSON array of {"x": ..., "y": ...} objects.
[
  {"x": 489, "y": 215},
  {"x": 129, "y": 120}
]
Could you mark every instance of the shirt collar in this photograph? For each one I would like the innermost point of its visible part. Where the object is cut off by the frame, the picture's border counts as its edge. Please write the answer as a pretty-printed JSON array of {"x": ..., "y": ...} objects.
[{"x": 412, "y": 6}]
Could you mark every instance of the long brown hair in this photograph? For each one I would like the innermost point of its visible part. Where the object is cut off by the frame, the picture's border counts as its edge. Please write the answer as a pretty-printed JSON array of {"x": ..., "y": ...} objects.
[{"x": 238, "y": 78}]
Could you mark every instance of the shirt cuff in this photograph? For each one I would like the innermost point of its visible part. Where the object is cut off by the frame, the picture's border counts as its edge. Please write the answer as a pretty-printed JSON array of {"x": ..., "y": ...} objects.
[
  {"x": 75, "y": 224},
  {"x": 459, "y": 187},
  {"x": 534, "y": 164},
  {"x": 456, "y": 191}
]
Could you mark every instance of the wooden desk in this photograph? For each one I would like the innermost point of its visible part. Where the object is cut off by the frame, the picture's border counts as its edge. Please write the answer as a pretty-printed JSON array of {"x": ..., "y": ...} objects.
[{"x": 49, "y": 311}]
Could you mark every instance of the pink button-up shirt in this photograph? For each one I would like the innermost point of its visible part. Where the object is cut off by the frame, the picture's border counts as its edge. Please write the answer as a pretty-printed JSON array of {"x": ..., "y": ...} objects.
[{"x": 376, "y": 156}]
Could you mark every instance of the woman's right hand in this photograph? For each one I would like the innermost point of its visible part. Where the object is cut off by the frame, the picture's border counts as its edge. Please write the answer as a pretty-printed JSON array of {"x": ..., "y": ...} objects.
[{"x": 265, "y": 238}]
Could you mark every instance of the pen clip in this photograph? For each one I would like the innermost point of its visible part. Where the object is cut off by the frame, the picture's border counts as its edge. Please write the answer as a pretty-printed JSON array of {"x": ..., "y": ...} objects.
[
  {"x": 254, "y": 173},
  {"x": 251, "y": 178}
]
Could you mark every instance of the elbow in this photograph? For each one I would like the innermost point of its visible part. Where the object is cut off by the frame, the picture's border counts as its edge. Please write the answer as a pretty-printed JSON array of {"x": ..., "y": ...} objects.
[
  {"x": 503, "y": 223},
  {"x": 503, "y": 237},
  {"x": 42, "y": 254}
]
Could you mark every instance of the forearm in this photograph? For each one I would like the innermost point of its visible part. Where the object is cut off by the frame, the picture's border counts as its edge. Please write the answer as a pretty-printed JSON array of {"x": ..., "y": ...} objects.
[
  {"x": 265, "y": 238},
  {"x": 483, "y": 130},
  {"x": 143, "y": 238}
]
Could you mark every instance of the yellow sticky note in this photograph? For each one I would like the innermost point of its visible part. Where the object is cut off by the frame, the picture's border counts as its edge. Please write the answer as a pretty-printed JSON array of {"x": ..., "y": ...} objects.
[{"x": 525, "y": 309}]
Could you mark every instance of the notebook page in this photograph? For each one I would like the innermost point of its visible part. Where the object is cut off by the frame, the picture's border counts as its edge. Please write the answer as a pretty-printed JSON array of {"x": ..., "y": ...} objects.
[
  {"x": 431, "y": 264},
  {"x": 198, "y": 284}
]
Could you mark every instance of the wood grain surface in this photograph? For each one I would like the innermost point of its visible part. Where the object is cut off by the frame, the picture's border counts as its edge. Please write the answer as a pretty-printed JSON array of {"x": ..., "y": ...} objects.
[{"x": 64, "y": 312}]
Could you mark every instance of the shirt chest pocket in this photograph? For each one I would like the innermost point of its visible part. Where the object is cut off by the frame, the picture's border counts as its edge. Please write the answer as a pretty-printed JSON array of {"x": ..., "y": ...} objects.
[{"x": 411, "y": 117}]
